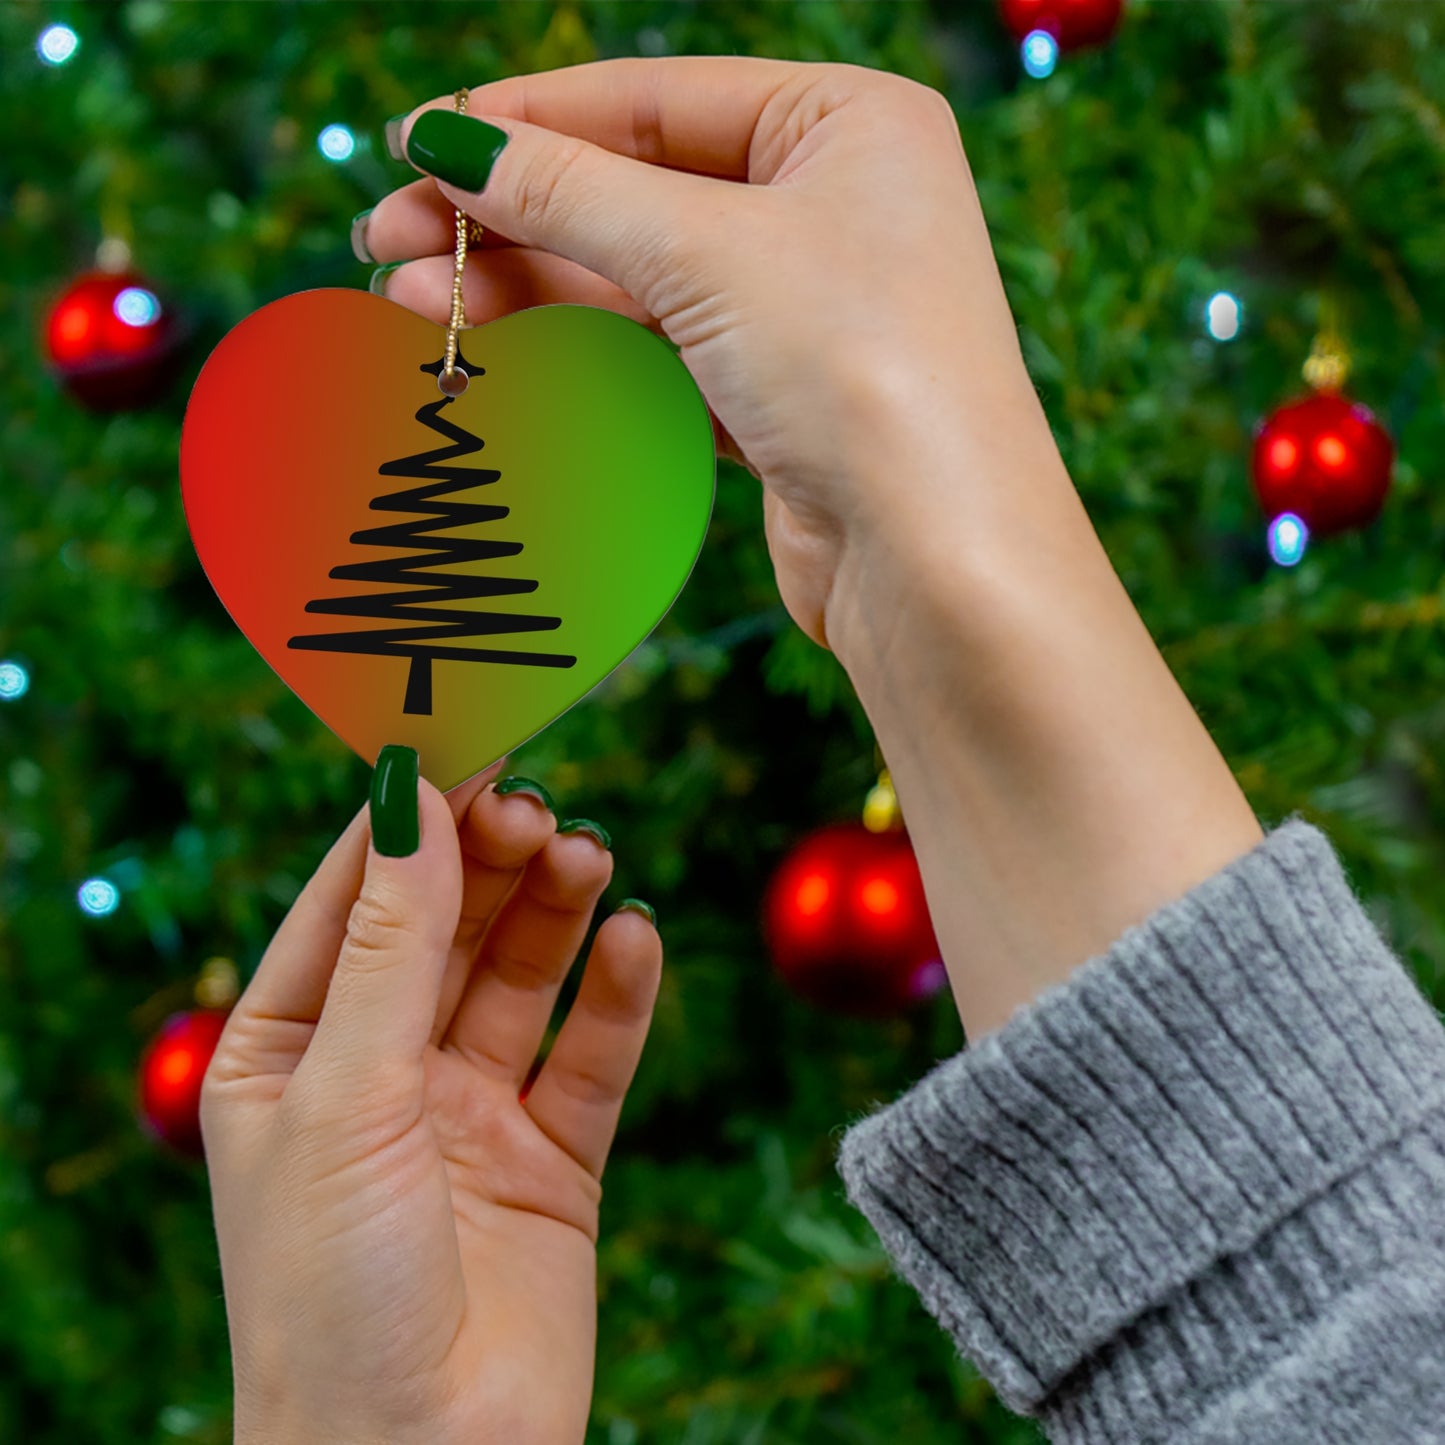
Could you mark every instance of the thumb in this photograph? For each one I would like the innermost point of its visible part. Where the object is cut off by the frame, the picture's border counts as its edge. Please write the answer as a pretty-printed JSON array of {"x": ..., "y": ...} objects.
[
  {"x": 382, "y": 999},
  {"x": 629, "y": 222}
]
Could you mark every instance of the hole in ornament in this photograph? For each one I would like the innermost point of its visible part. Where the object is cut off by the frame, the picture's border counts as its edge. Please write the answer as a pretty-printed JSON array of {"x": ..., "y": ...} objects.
[{"x": 452, "y": 383}]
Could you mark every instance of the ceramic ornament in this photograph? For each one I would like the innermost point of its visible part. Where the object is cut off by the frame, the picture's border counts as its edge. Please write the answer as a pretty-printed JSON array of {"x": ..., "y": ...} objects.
[{"x": 451, "y": 573}]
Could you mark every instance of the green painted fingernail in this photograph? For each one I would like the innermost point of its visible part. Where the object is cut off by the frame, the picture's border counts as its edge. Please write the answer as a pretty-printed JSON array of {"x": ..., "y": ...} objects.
[
  {"x": 377, "y": 284},
  {"x": 393, "y": 136},
  {"x": 395, "y": 813},
  {"x": 455, "y": 148},
  {"x": 359, "y": 248},
  {"x": 526, "y": 785},
  {"x": 636, "y": 905},
  {"x": 586, "y": 825}
]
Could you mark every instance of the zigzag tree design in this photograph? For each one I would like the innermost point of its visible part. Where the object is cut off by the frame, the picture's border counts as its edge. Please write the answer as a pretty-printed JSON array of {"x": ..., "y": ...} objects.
[{"x": 426, "y": 644}]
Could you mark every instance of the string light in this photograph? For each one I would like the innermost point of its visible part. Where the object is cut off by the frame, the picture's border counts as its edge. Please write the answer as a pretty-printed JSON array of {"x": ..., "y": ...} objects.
[
  {"x": 57, "y": 44},
  {"x": 14, "y": 681},
  {"x": 336, "y": 143},
  {"x": 98, "y": 897},
  {"x": 928, "y": 980},
  {"x": 1288, "y": 537},
  {"x": 1040, "y": 52},
  {"x": 136, "y": 306},
  {"x": 1223, "y": 316}
]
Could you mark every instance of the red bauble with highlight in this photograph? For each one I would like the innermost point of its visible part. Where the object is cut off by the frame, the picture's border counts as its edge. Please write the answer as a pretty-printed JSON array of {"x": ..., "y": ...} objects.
[
  {"x": 847, "y": 923},
  {"x": 112, "y": 341},
  {"x": 1326, "y": 459},
  {"x": 1073, "y": 23},
  {"x": 171, "y": 1072}
]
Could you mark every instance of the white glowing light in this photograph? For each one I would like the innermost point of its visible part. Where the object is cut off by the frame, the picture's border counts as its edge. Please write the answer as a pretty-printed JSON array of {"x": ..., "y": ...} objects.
[
  {"x": 57, "y": 44},
  {"x": 14, "y": 681},
  {"x": 1288, "y": 537},
  {"x": 1223, "y": 316},
  {"x": 1040, "y": 52},
  {"x": 137, "y": 307},
  {"x": 98, "y": 897},
  {"x": 336, "y": 143}
]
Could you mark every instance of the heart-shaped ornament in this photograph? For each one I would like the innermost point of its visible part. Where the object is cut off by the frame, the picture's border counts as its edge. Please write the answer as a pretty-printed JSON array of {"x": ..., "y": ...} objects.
[{"x": 450, "y": 573}]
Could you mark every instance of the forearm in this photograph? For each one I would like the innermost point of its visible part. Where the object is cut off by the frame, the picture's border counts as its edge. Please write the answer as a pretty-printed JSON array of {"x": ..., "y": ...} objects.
[{"x": 1057, "y": 784}]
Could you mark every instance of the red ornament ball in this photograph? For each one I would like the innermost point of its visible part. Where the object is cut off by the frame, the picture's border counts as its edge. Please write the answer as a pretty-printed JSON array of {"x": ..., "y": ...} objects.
[
  {"x": 847, "y": 923},
  {"x": 111, "y": 341},
  {"x": 1073, "y": 23},
  {"x": 1326, "y": 459},
  {"x": 171, "y": 1071}
]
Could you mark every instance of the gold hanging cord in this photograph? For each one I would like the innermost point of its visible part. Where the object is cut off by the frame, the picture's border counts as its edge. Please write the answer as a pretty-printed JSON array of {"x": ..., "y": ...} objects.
[{"x": 454, "y": 381}]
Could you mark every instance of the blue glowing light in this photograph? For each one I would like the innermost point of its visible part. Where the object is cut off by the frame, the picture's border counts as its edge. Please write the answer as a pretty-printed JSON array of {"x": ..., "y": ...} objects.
[
  {"x": 336, "y": 143},
  {"x": 14, "y": 681},
  {"x": 1040, "y": 53},
  {"x": 1223, "y": 316},
  {"x": 1288, "y": 538},
  {"x": 137, "y": 307},
  {"x": 98, "y": 897},
  {"x": 57, "y": 44}
]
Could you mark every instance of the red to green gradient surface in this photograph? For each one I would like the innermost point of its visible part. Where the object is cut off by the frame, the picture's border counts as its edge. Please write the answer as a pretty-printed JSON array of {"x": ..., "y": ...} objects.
[{"x": 447, "y": 574}]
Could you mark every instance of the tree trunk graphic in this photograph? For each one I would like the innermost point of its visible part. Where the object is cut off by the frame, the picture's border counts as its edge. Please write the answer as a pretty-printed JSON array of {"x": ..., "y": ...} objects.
[{"x": 426, "y": 644}]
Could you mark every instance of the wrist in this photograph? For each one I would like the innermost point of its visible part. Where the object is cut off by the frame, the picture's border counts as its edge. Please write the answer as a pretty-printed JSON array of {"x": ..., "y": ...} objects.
[
  {"x": 950, "y": 520},
  {"x": 1057, "y": 784}
]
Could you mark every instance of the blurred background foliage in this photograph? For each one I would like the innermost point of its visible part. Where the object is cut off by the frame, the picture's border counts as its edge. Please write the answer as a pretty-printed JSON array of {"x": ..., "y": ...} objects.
[{"x": 1289, "y": 153}]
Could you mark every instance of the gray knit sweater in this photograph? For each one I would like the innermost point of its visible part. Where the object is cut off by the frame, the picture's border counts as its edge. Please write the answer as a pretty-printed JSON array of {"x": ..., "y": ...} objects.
[{"x": 1196, "y": 1192}]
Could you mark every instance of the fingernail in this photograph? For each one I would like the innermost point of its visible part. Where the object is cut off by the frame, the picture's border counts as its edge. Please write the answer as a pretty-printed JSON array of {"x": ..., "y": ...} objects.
[
  {"x": 395, "y": 814},
  {"x": 377, "y": 284},
  {"x": 393, "y": 137},
  {"x": 526, "y": 785},
  {"x": 359, "y": 248},
  {"x": 455, "y": 148},
  {"x": 586, "y": 825},
  {"x": 636, "y": 905}
]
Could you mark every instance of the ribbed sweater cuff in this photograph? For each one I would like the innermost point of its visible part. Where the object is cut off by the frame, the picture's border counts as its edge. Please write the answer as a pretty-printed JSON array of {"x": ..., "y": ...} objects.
[{"x": 1125, "y": 1175}]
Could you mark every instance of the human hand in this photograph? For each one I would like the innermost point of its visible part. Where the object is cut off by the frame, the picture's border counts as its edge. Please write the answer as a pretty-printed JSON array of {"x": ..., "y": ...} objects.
[
  {"x": 408, "y": 1247},
  {"x": 810, "y": 238},
  {"x": 838, "y": 306}
]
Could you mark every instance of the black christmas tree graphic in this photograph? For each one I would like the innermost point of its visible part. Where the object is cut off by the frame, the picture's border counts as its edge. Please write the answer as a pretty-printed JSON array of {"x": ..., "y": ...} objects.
[{"x": 428, "y": 642}]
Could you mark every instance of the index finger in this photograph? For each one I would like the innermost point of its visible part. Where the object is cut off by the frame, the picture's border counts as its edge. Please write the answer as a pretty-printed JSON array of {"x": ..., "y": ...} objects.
[{"x": 696, "y": 113}]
